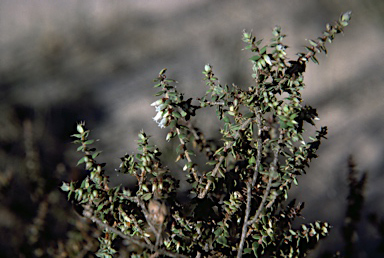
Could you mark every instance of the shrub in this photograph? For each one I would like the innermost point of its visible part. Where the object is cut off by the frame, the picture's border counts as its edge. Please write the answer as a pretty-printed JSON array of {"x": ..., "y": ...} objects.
[{"x": 237, "y": 206}]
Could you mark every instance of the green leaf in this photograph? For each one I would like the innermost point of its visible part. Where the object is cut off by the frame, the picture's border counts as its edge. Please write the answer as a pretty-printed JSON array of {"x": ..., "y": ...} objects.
[
  {"x": 247, "y": 250},
  {"x": 147, "y": 196},
  {"x": 248, "y": 47},
  {"x": 263, "y": 50},
  {"x": 182, "y": 136},
  {"x": 76, "y": 135},
  {"x": 82, "y": 160},
  {"x": 231, "y": 113},
  {"x": 249, "y": 115},
  {"x": 183, "y": 113},
  {"x": 255, "y": 58},
  {"x": 95, "y": 154},
  {"x": 255, "y": 246},
  {"x": 283, "y": 124},
  {"x": 222, "y": 240},
  {"x": 191, "y": 153},
  {"x": 261, "y": 63},
  {"x": 309, "y": 49},
  {"x": 218, "y": 231},
  {"x": 176, "y": 114},
  {"x": 172, "y": 124},
  {"x": 314, "y": 59},
  {"x": 252, "y": 160},
  {"x": 190, "y": 165},
  {"x": 312, "y": 42},
  {"x": 100, "y": 207},
  {"x": 159, "y": 93}
]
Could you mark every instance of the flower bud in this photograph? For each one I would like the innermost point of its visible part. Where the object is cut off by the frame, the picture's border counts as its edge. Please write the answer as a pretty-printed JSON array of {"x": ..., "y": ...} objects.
[
  {"x": 80, "y": 128},
  {"x": 345, "y": 17},
  {"x": 208, "y": 68}
]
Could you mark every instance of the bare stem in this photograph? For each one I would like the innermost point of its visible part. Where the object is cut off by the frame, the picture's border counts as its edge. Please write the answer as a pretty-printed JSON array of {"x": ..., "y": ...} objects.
[
  {"x": 261, "y": 206},
  {"x": 259, "y": 147},
  {"x": 246, "y": 217}
]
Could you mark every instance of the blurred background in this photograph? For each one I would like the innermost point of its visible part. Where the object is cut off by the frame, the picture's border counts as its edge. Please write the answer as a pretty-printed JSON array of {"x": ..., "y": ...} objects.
[{"x": 67, "y": 61}]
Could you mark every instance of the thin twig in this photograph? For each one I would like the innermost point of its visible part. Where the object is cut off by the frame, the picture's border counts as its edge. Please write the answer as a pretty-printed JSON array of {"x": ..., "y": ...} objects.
[
  {"x": 261, "y": 206},
  {"x": 158, "y": 236},
  {"x": 246, "y": 217},
  {"x": 267, "y": 190},
  {"x": 259, "y": 147},
  {"x": 221, "y": 103},
  {"x": 187, "y": 156}
]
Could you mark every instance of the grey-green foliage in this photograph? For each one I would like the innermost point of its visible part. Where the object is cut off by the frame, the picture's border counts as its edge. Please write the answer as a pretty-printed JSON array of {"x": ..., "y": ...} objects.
[{"x": 236, "y": 206}]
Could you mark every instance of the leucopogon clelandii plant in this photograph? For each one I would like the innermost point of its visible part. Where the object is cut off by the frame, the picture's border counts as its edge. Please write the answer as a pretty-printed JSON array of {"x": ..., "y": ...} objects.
[{"x": 238, "y": 206}]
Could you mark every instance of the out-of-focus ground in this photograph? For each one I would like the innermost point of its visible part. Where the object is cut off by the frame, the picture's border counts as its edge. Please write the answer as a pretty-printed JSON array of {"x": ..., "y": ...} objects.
[{"x": 66, "y": 61}]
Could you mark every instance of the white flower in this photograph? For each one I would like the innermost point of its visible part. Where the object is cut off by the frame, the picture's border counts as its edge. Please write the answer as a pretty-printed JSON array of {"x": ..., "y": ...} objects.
[
  {"x": 160, "y": 119},
  {"x": 161, "y": 116},
  {"x": 163, "y": 122},
  {"x": 160, "y": 107},
  {"x": 157, "y": 102},
  {"x": 158, "y": 116}
]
